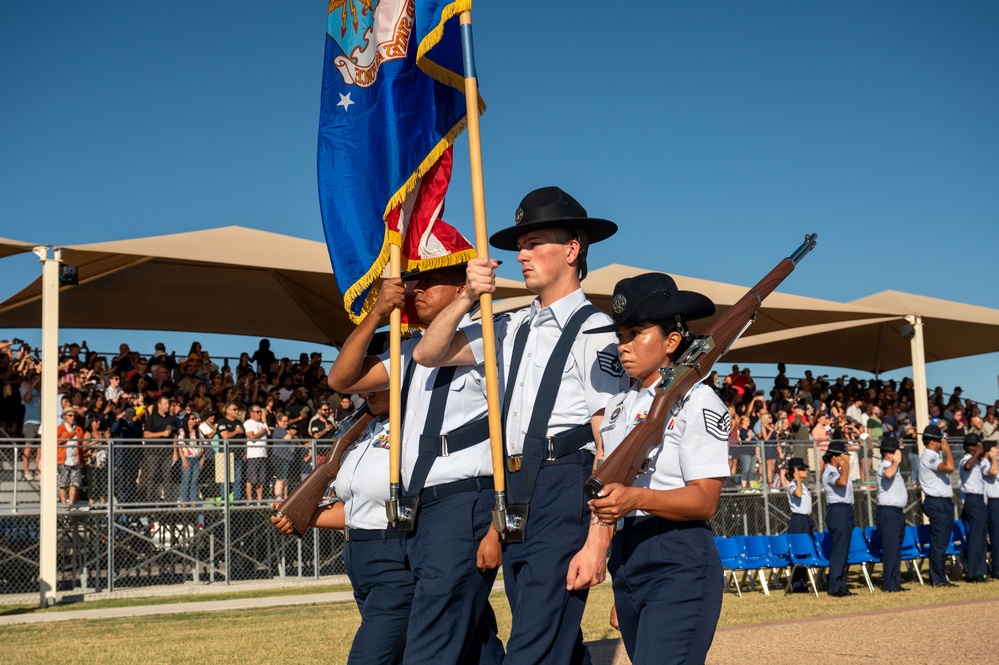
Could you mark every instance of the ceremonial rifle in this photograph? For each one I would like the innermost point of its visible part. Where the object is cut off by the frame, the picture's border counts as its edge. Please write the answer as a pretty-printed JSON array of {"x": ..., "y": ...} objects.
[
  {"x": 624, "y": 464},
  {"x": 302, "y": 503}
]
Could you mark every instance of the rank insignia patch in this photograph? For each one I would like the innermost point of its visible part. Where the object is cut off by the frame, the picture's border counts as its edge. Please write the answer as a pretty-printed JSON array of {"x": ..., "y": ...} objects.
[
  {"x": 717, "y": 424},
  {"x": 610, "y": 363}
]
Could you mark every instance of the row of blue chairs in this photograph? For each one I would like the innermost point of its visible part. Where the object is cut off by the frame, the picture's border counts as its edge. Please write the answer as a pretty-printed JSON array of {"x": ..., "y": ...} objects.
[{"x": 769, "y": 558}]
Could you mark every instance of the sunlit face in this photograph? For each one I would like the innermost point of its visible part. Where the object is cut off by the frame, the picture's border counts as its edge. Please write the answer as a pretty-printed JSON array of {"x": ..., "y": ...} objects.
[
  {"x": 434, "y": 291},
  {"x": 643, "y": 349},
  {"x": 545, "y": 258}
]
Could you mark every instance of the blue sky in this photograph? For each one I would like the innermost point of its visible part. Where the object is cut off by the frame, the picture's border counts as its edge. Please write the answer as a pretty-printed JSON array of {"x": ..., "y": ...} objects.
[{"x": 716, "y": 134}]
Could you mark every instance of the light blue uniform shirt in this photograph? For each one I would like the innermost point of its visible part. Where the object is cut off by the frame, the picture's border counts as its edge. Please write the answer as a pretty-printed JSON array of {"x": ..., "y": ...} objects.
[
  {"x": 991, "y": 483},
  {"x": 971, "y": 480},
  {"x": 363, "y": 480},
  {"x": 695, "y": 438},
  {"x": 834, "y": 493},
  {"x": 891, "y": 491},
  {"x": 802, "y": 506},
  {"x": 466, "y": 401},
  {"x": 592, "y": 374},
  {"x": 934, "y": 483}
]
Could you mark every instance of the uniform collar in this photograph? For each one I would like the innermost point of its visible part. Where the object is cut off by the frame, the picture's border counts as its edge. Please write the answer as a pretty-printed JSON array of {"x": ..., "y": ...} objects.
[{"x": 559, "y": 311}]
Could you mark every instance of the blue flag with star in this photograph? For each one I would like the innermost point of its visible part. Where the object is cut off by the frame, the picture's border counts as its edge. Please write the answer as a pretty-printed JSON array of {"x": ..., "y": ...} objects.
[{"x": 392, "y": 105}]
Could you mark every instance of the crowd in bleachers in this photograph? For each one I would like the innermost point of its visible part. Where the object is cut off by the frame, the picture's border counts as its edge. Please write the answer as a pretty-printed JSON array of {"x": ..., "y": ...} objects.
[
  {"x": 116, "y": 396},
  {"x": 820, "y": 409},
  {"x": 170, "y": 416}
]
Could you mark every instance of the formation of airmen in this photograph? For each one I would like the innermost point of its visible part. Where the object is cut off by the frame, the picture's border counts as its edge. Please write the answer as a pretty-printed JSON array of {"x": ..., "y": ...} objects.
[{"x": 574, "y": 382}]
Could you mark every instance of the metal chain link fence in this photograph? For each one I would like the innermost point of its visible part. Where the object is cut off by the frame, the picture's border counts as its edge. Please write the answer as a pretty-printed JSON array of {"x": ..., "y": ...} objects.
[
  {"x": 147, "y": 514},
  {"x": 135, "y": 514}
]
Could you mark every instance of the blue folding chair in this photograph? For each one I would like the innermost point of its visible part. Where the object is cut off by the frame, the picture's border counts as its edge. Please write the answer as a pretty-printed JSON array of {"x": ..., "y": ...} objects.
[
  {"x": 804, "y": 555},
  {"x": 732, "y": 561},
  {"x": 873, "y": 538},
  {"x": 758, "y": 555},
  {"x": 923, "y": 539},
  {"x": 911, "y": 554},
  {"x": 823, "y": 543},
  {"x": 859, "y": 555},
  {"x": 780, "y": 552}
]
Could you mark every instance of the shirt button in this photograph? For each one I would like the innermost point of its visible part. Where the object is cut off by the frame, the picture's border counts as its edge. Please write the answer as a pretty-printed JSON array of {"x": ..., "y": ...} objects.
[
  {"x": 521, "y": 384},
  {"x": 514, "y": 414},
  {"x": 528, "y": 355}
]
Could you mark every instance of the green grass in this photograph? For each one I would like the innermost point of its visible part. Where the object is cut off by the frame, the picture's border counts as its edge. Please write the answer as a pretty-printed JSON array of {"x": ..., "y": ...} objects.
[
  {"x": 322, "y": 634},
  {"x": 198, "y": 597}
]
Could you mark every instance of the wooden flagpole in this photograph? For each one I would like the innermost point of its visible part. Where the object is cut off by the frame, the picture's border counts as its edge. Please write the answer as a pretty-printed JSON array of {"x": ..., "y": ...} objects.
[
  {"x": 500, "y": 521},
  {"x": 396, "y": 513}
]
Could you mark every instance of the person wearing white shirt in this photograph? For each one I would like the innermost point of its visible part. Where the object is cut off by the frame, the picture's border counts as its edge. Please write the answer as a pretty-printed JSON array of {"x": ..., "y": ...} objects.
[
  {"x": 991, "y": 481},
  {"x": 838, "y": 491},
  {"x": 256, "y": 453},
  {"x": 453, "y": 550},
  {"x": 935, "y": 466},
  {"x": 374, "y": 554},
  {"x": 890, "y": 518},
  {"x": 667, "y": 574},
  {"x": 799, "y": 500},
  {"x": 971, "y": 470},
  {"x": 553, "y": 399}
]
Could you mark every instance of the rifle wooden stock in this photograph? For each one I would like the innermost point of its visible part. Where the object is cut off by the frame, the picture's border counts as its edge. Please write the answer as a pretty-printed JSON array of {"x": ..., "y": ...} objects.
[
  {"x": 624, "y": 464},
  {"x": 302, "y": 503}
]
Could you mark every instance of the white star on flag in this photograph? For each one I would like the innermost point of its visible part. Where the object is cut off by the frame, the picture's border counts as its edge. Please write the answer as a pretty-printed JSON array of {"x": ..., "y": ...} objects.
[{"x": 345, "y": 101}]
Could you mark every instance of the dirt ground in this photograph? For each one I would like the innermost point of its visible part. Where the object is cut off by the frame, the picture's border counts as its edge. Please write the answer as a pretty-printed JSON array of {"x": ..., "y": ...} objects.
[{"x": 947, "y": 633}]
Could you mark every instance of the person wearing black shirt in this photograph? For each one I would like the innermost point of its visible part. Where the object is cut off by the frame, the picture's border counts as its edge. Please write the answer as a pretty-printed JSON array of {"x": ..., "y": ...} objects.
[
  {"x": 158, "y": 455},
  {"x": 231, "y": 430}
]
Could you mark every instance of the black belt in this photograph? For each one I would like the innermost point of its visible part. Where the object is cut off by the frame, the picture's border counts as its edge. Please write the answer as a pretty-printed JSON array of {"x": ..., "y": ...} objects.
[
  {"x": 443, "y": 491},
  {"x": 514, "y": 462},
  {"x": 651, "y": 522},
  {"x": 361, "y": 535}
]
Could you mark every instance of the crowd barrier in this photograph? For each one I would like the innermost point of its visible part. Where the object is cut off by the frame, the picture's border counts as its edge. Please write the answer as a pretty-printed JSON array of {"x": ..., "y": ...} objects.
[{"x": 129, "y": 528}]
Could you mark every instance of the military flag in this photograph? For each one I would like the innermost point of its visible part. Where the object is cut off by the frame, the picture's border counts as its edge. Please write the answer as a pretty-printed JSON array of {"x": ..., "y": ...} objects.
[{"x": 392, "y": 105}]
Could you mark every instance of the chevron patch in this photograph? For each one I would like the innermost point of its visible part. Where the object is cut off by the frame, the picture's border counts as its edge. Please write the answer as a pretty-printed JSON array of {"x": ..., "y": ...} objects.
[{"x": 717, "y": 424}]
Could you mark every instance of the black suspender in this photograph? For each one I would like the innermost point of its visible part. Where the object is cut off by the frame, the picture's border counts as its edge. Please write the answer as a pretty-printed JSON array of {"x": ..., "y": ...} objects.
[{"x": 537, "y": 445}]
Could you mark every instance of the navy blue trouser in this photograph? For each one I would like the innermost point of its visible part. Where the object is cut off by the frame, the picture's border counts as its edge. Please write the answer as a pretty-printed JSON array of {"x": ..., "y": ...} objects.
[
  {"x": 976, "y": 515},
  {"x": 800, "y": 523},
  {"x": 383, "y": 588},
  {"x": 545, "y": 616},
  {"x": 992, "y": 508},
  {"x": 940, "y": 511},
  {"x": 451, "y": 599},
  {"x": 891, "y": 527},
  {"x": 668, "y": 585},
  {"x": 839, "y": 521}
]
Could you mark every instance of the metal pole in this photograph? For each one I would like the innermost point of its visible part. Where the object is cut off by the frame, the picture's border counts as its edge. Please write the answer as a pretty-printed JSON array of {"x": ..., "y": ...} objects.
[
  {"x": 315, "y": 532},
  {"x": 765, "y": 487},
  {"x": 919, "y": 378},
  {"x": 819, "y": 498},
  {"x": 111, "y": 523},
  {"x": 226, "y": 513},
  {"x": 48, "y": 519}
]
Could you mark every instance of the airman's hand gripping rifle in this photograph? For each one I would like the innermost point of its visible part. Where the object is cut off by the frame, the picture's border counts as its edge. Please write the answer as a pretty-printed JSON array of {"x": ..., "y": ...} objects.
[
  {"x": 625, "y": 463},
  {"x": 302, "y": 503}
]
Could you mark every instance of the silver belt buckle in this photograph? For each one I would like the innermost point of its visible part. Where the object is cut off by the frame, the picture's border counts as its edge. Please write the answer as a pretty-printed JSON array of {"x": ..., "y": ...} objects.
[
  {"x": 444, "y": 450},
  {"x": 346, "y": 535},
  {"x": 551, "y": 449}
]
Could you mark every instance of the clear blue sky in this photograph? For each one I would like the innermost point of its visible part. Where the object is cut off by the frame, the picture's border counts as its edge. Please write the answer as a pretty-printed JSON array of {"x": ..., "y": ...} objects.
[{"x": 742, "y": 125}]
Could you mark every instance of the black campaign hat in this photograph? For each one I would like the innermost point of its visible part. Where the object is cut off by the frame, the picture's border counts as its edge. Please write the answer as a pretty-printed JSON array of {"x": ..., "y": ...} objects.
[
  {"x": 416, "y": 273},
  {"x": 837, "y": 448},
  {"x": 796, "y": 463},
  {"x": 888, "y": 446},
  {"x": 933, "y": 433},
  {"x": 971, "y": 439},
  {"x": 550, "y": 207},
  {"x": 653, "y": 296}
]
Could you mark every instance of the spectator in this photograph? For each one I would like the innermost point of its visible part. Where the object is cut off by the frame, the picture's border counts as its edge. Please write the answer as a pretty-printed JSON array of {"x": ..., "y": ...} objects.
[
  {"x": 256, "y": 453},
  {"x": 282, "y": 456},
  {"x": 127, "y": 453},
  {"x": 231, "y": 431},
  {"x": 749, "y": 454},
  {"x": 191, "y": 452},
  {"x": 31, "y": 398},
  {"x": 263, "y": 356},
  {"x": 157, "y": 457},
  {"x": 69, "y": 438}
]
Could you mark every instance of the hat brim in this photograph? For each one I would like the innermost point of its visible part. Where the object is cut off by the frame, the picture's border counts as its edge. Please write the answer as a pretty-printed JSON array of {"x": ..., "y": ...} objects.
[
  {"x": 413, "y": 275},
  {"x": 596, "y": 230},
  {"x": 688, "y": 304}
]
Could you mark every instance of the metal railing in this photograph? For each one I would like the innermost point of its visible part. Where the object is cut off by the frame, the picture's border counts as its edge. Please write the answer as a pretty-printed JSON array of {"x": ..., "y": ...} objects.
[{"x": 130, "y": 525}]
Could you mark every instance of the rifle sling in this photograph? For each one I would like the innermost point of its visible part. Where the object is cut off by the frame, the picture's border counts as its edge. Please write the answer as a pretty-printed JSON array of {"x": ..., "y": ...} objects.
[{"x": 538, "y": 446}]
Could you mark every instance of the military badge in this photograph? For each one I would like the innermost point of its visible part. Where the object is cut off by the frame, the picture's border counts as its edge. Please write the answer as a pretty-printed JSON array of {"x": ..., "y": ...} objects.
[
  {"x": 610, "y": 363},
  {"x": 717, "y": 424},
  {"x": 619, "y": 303}
]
